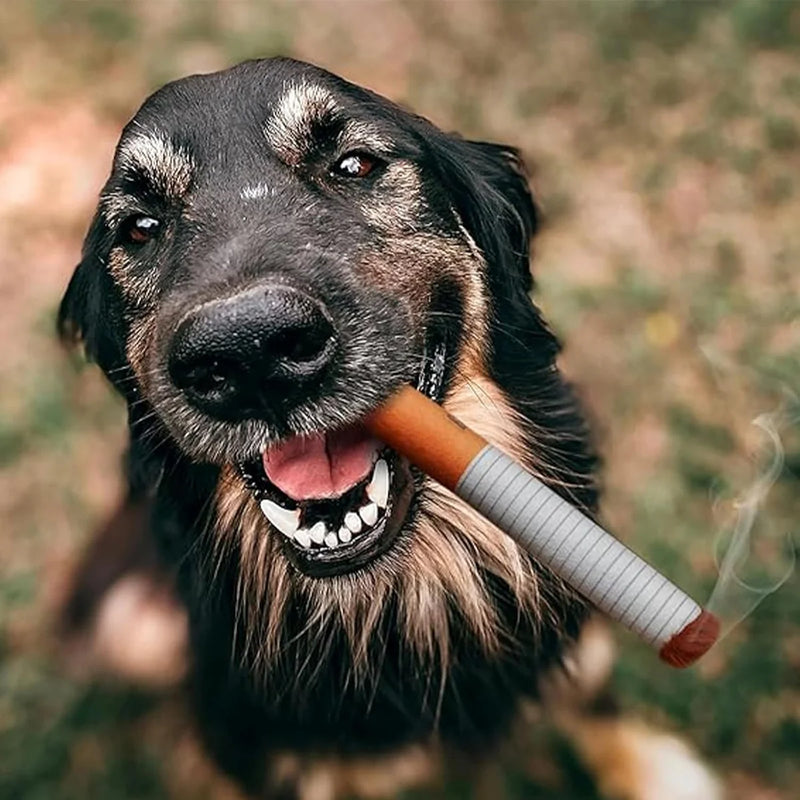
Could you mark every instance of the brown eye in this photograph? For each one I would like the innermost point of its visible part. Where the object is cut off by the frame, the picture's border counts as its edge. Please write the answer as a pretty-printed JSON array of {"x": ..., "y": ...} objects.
[
  {"x": 354, "y": 165},
  {"x": 140, "y": 229}
]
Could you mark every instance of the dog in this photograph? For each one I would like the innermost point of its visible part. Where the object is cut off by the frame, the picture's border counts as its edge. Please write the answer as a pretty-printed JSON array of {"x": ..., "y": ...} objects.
[{"x": 275, "y": 252}]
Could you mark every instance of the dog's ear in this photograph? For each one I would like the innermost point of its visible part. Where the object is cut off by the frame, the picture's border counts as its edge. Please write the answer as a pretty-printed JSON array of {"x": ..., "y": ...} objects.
[
  {"x": 88, "y": 313},
  {"x": 488, "y": 186}
]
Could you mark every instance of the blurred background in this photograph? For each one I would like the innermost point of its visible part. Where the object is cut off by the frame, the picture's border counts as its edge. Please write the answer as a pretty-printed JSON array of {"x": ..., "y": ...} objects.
[{"x": 664, "y": 143}]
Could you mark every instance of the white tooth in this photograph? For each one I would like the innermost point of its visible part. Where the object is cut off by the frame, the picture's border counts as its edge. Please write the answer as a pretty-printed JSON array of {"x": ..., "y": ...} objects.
[
  {"x": 287, "y": 522},
  {"x": 369, "y": 513},
  {"x": 317, "y": 532},
  {"x": 331, "y": 539},
  {"x": 378, "y": 487},
  {"x": 353, "y": 521},
  {"x": 345, "y": 535},
  {"x": 302, "y": 538}
]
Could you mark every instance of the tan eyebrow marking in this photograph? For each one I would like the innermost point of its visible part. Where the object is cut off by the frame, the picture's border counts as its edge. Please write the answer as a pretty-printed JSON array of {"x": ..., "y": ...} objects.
[
  {"x": 358, "y": 134},
  {"x": 290, "y": 128},
  {"x": 168, "y": 166}
]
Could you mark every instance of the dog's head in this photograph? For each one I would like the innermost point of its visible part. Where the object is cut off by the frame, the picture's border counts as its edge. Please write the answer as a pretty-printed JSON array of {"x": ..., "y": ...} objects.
[{"x": 277, "y": 250}]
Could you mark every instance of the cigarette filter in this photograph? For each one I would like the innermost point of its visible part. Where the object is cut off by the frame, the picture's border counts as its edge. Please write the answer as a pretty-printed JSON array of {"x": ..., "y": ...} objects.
[{"x": 605, "y": 571}]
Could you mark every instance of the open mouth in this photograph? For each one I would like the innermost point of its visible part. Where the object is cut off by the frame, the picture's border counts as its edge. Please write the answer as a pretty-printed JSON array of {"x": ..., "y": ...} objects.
[{"x": 338, "y": 499}]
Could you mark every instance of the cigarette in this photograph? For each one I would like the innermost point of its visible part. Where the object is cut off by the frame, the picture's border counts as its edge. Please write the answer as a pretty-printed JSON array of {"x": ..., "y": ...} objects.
[{"x": 596, "y": 564}]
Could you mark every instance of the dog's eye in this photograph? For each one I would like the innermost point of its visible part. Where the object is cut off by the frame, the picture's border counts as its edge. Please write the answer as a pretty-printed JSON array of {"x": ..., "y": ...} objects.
[
  {"x": 140, "y": 229},
  {"x": 354, "y": 165}
]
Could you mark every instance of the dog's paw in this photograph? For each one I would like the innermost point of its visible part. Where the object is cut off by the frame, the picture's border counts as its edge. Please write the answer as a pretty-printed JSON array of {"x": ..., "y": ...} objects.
[
  {"x": 140, "y": 633},
  {"x": 633, "y": 762}
]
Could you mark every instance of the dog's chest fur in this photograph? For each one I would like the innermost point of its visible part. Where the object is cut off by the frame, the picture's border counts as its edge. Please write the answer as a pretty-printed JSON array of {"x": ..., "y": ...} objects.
[{"x": 317, "y": 696}]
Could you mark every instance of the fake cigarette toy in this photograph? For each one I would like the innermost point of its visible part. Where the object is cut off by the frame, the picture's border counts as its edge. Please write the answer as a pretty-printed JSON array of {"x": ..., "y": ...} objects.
[{"x": 591, "y": 560}]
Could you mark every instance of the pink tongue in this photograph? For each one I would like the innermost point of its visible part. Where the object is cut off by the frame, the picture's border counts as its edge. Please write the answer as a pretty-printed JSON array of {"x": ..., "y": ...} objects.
[{"x": 325, "y": 465}]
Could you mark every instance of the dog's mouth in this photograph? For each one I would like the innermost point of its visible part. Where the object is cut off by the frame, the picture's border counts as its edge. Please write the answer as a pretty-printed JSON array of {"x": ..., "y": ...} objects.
[{"x": 338, "y": 499}]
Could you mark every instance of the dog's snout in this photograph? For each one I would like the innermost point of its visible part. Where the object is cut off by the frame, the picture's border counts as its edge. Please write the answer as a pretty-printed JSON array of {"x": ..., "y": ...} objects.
[{"x": 253, "y": 354}]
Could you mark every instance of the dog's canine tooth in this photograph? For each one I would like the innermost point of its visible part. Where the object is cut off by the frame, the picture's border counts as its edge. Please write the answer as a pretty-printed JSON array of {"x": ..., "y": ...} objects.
[
  {"x": 302, "y": 538},
  {"x": 286, "y": 521},
  {"x": 317, "y": 532},
  {"x": 353, "y": 521},
  {"x": 369, "y": 513},
  {"x": 331, "y": 540},
  {"x": 378, "y": 487},
  {"x": 345, "y": 534}
]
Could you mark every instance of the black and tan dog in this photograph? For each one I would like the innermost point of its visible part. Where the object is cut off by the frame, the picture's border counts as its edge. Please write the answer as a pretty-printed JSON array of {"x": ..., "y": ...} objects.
[{"x": 275, "y": 252}]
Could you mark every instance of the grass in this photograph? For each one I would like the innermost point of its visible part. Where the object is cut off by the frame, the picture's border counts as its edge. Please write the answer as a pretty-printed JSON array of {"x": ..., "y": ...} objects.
[{"x": 664, "y": 143}]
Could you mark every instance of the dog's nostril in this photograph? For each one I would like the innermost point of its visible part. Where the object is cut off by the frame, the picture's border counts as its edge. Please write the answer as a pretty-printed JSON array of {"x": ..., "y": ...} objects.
[
  {"x": 302, "y": 344},
  {"x": 259, "y": 352},
  {"x": 207, "y": 378}
]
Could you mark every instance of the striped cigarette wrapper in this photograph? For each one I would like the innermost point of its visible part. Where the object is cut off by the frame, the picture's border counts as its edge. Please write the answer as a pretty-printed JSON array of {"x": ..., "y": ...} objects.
[
  {"x": 599, "y": 566},
  {"x": 605, "y": 571}
]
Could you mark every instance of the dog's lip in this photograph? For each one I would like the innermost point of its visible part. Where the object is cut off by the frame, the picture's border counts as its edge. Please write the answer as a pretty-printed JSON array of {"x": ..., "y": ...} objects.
[
  {"x": 323, "y": 562},
  {"x": 336, "y": 535}
]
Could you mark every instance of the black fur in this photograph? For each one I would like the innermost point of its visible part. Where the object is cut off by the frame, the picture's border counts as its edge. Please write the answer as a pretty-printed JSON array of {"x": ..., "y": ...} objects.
[{"x": 243, "y": 717}]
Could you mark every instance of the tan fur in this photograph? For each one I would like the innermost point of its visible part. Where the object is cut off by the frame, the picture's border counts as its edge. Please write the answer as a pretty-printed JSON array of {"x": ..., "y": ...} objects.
[
  {"x": 289, "y": 127},
  {"x": 476, "y": 306},
  {"x": 440, "y": 562},
  {"x": 140, "y": 289},
  {"x": 168, "y": 166},
  {"x": 430, "y": 258},
  {"x": 137, "y": 348},
  {"x": 357, "y": 134},
  {"x": 170, "y": 169},
  {"x": 369, "y": 778},
  {"x": 397, "y": 206},
  {"x": 631, "y": 761}
]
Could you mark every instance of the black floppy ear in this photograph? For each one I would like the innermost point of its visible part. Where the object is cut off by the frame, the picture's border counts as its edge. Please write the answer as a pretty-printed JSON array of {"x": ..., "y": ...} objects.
[
  {"x": 488, "y": 186},
  {"x": 494, "y": 200},
  {"x": 89, "y": 312},
  {"x": 78, "y": 309}
]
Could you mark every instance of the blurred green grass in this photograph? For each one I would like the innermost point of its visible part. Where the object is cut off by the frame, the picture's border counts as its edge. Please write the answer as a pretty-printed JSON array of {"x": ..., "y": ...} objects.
[{"x": 664, "y": 139}]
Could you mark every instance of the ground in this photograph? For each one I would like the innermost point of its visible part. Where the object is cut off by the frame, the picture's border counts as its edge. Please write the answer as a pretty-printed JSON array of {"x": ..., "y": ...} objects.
[{"x": 664, "y": 143}]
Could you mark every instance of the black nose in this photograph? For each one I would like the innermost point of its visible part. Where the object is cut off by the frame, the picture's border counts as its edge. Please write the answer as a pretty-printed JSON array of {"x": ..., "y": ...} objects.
[{"x": 252, "y": 355}]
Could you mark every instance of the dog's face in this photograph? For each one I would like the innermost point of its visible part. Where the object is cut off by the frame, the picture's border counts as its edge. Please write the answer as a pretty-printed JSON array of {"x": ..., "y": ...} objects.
[{"x": 277, "y": 250}]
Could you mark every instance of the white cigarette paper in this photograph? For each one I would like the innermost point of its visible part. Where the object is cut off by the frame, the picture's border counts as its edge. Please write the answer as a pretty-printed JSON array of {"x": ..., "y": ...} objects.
[{"x": 557, "y": 534}]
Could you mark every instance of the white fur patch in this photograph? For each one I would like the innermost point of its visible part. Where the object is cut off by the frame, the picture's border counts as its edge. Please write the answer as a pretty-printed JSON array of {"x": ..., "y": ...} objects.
[{"x": 257, "y": 192}]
